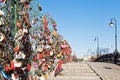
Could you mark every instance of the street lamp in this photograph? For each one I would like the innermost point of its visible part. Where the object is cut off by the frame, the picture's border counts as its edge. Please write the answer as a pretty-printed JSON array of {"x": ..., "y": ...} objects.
[
  {"x": 111, "y": 24},
  {"x": 97, "y": 39}
]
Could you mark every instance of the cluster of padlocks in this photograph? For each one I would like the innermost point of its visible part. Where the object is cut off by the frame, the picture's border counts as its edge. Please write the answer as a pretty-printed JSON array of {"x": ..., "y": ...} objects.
[{"x": 30, "y": 46}]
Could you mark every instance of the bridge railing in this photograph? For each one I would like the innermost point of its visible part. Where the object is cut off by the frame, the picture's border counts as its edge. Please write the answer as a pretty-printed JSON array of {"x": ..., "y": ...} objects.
[{"x": 109, "y": 58}]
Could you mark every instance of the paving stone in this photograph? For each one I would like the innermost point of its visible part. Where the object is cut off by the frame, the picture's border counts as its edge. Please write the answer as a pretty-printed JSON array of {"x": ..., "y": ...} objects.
[
  {"x": 76, "y": 71},
  {"x": 107, "y": 71}
]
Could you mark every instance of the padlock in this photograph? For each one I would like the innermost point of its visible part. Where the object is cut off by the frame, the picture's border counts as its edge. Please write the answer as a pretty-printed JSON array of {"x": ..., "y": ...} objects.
[
  {"x": 51, "y": 53},
  {"x": 16, "y": 49},
  {"x": 18, "y": 36},
  {"x": 7, "y": 67},
  {"x": 45, "y": 67},
  {"x": 1, "y": 21},
  {"x": 26, "y": 4},
  {"x": 18, "y": 24},
  {"x": 45, "y": 26},
  {"x": 20, "y": 55},
  {"x": 35, "y": 65},
  {"x": 44, "y": 19},
  {"x": 47, "y": 32},
  {"x": 54, "y": 24},
  {"x": 42, "y": 78},
  {"x": 17, "y": 64},
  {"x": 40, "y": 49},
  {"x": 12, "y": 65},
  {"x": 28, "y": 66},
  {"x": 55, "y": 28},
  {"x": 41, "y": 56},
  {"x": 63, "y": 46},
  {"x": 48, "y": 41},
  {"x": 25, "y": 30},
  {"x": 23, "y": 1},
  {"x": 59, "y": 54},
  {"x": 1, "y": 13},
  {"x": 54, "y": 33},
  {"x": 15, "y": 76},
  {"x": 1, "y": 37}
]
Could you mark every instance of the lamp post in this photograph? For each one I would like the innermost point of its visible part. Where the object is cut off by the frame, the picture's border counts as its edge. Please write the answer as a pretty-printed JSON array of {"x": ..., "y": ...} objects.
[
  {"x": 97, "y": 39},
  {"x": 111, "y": 24}
]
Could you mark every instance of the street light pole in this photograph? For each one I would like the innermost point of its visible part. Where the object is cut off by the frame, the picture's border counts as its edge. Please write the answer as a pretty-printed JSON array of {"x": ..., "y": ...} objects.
[
  {"x": 114, "y": 23},
  {"x": 111, "y": 25},
  {"x": 96, "y": 38}
]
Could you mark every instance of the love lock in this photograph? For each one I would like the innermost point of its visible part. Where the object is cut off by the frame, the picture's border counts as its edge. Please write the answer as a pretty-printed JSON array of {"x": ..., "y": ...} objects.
[
  {"x": 17, "y": 63},
  {"x": 23, "y": 1},
  {"x": 25, "y": 30},
  {"x": 47, "y": 31},
  {"x": 2, "y": 37},
  {"x": 19, "y": 55},
  {"x": 1, "y": 13},
  {"x": 55, "y": 34},
  {"x": 1, "y": 21},
  {"x": 15, "y": 76},
  {"x": 19, "y": 24},
  {"x": 51, "y": 53},
  {"x": 1, "y": 18},
  {"x": 18, "y": 35},
  {"x": 16, "y": 49},
  {"x": 40, "y": 49},
  {"x": 44, "y": 20}
]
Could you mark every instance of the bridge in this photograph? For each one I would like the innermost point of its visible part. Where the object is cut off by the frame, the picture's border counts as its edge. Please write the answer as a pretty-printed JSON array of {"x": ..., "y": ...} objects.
[
  {"x": 109, "y": 58},
  {"x": 89, "y": 71}
]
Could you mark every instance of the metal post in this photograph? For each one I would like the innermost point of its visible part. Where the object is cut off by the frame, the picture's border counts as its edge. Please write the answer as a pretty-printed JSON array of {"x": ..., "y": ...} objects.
[
  {"x": 115, "y": 36},
  {"x": 15, "y": 17},
  {"x": 116, "y": 51},
  {"x": 96, "y": 38},
  {"x": 98, "y": 47}
]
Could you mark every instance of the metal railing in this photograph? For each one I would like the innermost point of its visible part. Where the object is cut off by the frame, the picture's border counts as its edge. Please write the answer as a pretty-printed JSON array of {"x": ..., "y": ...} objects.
[{"x": 109, "y": 58}]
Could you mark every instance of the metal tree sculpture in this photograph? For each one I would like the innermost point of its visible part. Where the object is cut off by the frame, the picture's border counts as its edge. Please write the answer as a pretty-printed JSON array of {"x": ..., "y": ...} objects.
[{"x": 30, "y": 45}]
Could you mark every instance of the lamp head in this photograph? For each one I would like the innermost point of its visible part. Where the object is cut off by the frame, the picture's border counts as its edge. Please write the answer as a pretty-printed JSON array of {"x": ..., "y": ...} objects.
[{"x": 111, "y": 24}]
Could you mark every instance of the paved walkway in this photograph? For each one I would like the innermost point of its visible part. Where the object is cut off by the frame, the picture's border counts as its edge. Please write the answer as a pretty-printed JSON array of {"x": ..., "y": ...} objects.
[
  {"x": 77, "y": 71},
  {"x": 89, "y": 71},
  {"x": 106, "y": 71}
]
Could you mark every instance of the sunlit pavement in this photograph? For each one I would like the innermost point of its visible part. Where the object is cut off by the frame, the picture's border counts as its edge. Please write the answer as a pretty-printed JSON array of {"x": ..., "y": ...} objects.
[
  {"x": 107, "y": 71},
  {"x": 76, "y": 71},
  {"x": 89, "y": 71}
]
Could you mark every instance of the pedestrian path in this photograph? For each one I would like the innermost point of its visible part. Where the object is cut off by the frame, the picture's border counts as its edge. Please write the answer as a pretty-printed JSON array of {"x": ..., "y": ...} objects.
[
  {"x": 76, "y": 71},
  {"x": 106, "y": 71},
  {"x": 89, "y": 71}
]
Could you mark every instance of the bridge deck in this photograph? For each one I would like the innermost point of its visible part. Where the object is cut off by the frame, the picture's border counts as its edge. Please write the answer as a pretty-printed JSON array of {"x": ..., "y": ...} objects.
[
  {"x": 107, "y": 71},
  {"x": 89, "y": 71}
]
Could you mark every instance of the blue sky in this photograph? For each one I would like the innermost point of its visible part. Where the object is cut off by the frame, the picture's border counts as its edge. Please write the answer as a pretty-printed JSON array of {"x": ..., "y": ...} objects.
[{"x": 79, "y": 21}]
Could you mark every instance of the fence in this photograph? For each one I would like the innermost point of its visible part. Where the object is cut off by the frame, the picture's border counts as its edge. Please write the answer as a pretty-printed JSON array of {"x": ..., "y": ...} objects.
[{"x": 109, "y": 58}]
